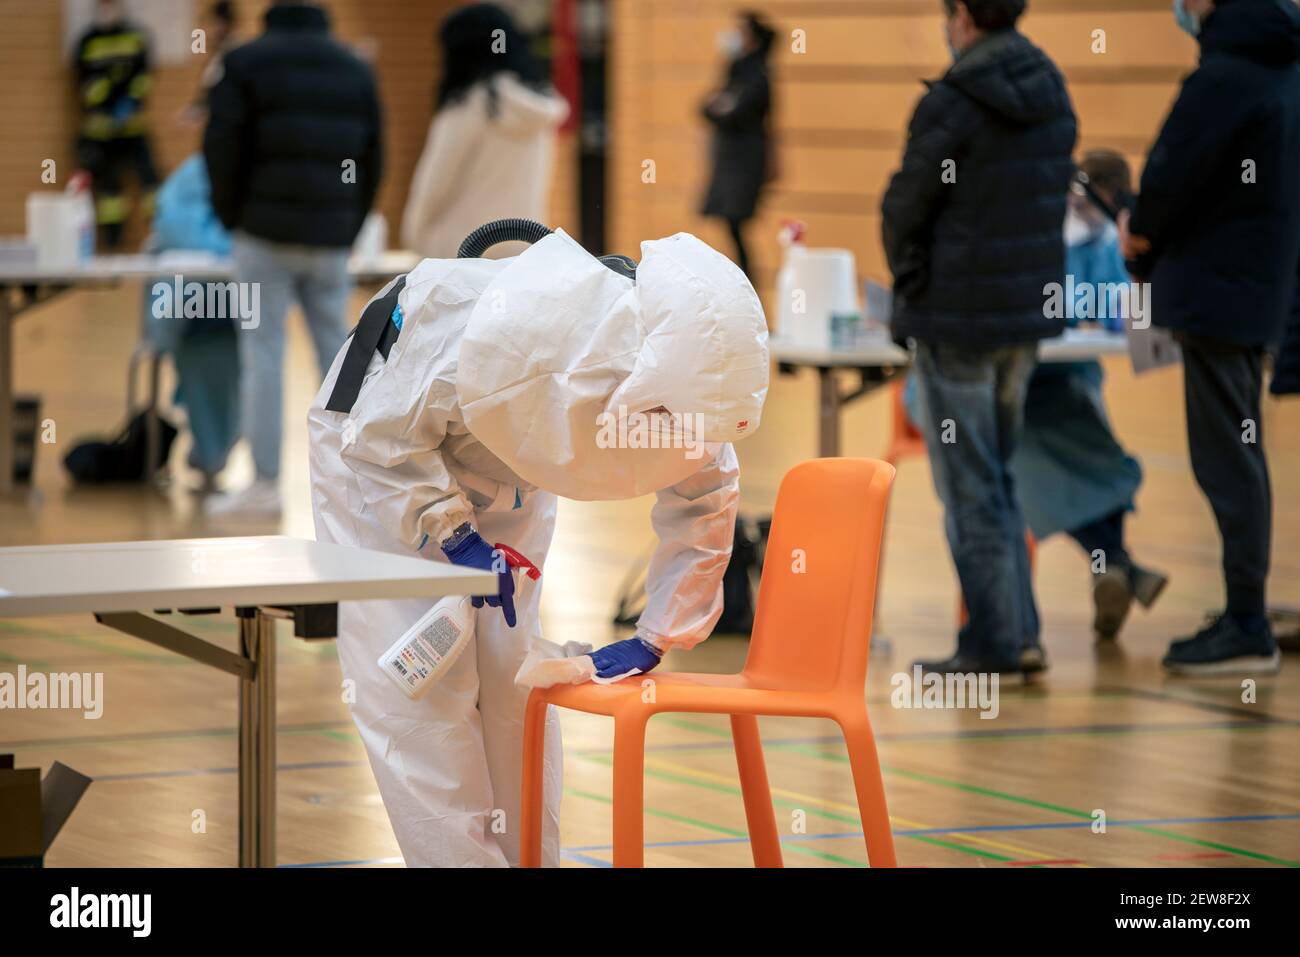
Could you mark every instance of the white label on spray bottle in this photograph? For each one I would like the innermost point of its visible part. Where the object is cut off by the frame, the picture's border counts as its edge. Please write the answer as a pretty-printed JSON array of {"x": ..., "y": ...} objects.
[{"x": 429, "y": 647}]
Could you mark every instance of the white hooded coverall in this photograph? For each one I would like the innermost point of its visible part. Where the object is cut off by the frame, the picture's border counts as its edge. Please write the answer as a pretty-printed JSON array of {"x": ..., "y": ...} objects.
[{"x": 488, "y": 407}]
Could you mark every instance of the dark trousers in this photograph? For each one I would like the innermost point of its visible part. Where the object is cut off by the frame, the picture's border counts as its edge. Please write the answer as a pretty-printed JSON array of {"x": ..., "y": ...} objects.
[
  {"x": 737, "y": 228},
  {"x": 107, "y": 160},
  {"x": 1222, "y": 384},
  {"x": 972, "y": 414}
]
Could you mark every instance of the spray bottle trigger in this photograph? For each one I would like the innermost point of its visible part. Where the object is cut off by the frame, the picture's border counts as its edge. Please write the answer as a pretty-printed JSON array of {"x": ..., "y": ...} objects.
[{"x": 515, "y": 560}]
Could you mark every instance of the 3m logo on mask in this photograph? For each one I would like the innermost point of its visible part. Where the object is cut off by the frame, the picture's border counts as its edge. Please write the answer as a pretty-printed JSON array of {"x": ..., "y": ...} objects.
[{"x": 653, "y": 429}]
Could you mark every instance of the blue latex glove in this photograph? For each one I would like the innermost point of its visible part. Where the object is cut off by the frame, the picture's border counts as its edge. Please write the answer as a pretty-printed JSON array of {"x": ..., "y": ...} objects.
[
  {"x": 470, "y": 550},
  {"x": 635, "y": 656}
]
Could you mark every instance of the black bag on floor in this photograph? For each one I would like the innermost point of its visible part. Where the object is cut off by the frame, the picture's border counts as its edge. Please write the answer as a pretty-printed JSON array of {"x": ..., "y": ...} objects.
[
  {"x": 737, "y": 583},
  {"x": 122, "y": 459}
]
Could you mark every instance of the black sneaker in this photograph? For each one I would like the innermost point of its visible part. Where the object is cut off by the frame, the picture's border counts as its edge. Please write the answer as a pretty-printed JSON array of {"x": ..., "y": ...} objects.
[
  {"x": 1112, "y": 597},
  {"x": 1033, "y": 660},
  {"x": 967, "y": 664},
  {"x": 1222, "y": 648}
]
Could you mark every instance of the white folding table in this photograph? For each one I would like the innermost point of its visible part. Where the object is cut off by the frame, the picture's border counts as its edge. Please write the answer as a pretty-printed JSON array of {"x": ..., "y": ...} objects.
[
  {"x": 261, "y": 578},
  {"x": 880, "y": 361},
  {"x": 25, "y": 286}
]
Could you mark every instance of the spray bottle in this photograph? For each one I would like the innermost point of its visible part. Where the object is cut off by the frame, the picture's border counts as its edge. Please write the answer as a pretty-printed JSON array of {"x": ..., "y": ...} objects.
[
  {"x": 429, "y": 648},
  {"x": 791, "y": 238}
]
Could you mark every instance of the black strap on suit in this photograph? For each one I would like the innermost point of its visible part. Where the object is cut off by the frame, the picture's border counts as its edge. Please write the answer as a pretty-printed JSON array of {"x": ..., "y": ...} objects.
[{"x": 374, "y": 331}]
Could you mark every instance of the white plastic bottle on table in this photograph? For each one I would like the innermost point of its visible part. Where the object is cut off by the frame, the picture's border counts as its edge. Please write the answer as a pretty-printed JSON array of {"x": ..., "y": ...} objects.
[
  {"x": 79, "y": 187},
  {"x": 791, "y": 239}
]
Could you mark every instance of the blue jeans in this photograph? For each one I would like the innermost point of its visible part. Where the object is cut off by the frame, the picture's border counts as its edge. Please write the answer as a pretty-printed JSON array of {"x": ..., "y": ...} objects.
[
  {"x": 317, "y": 277},
  {"x": 205, "y": 350},
  {"x": 972, "y": 405}
]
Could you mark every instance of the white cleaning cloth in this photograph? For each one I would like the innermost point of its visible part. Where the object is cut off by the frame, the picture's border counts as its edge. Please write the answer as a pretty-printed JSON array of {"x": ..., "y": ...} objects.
[{"x": 550, "y": 664}]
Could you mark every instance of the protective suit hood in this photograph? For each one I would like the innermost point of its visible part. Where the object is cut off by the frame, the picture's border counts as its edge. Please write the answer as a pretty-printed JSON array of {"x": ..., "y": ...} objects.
[{"x": 562, "y": 358}]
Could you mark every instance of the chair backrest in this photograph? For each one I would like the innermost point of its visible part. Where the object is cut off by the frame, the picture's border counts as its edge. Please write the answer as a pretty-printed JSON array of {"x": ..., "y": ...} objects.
[{"x": 812, "y": 627}]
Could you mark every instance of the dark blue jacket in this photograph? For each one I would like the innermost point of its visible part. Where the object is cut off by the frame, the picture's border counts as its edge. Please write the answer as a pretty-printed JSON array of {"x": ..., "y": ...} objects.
[
  {"x": 1286, "y": 372},
  {"x": 292, "y": 107},
  {"x": 1225, "y": 248},
  {"x": 971, "y": 258}
]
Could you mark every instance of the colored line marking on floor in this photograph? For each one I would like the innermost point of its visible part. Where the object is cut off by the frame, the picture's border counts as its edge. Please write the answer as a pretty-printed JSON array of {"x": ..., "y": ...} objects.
[
  {"x": 852, "y": 809},
  {"x": 108, "y": 648},
  {"x": 1148, "y": 694},
  {"x": 1002, "y": 795},
  {"x": 732, "y": 832},
  {"x": 31, "y": 663},
  {"x": 143, "y": 737},
  {"x": 200, "y": 772},
  {"x": 344, "y": 731},
  {"x": 1047, "y": 825},
  {"x": 1076, "y": 812},
  {"x": 363, "y": 862},
  {"x": 794, "y": 800}
]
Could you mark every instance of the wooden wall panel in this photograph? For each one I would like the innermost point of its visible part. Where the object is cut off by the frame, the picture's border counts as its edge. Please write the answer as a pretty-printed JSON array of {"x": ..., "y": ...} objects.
[{"x": 842, "y": 106}]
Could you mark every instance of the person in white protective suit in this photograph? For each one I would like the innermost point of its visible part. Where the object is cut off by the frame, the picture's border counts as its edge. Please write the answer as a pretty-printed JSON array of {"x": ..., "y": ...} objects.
[{"x": 471, "y": 395}]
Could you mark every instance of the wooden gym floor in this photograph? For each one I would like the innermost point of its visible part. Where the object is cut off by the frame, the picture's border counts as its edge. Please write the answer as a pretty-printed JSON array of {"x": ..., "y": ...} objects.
[{"x": 1186, "y": 773}]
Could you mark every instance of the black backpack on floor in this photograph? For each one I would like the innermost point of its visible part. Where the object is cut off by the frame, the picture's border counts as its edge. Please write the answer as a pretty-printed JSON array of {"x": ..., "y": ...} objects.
[{"x": 122, "y": 459}]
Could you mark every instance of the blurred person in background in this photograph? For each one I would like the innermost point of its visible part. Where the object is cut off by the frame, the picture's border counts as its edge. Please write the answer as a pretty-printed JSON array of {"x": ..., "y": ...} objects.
[
  {"x": 1071, "y": 473},
  {"x": 220, "y": 39},
  {"x": 972, "y": 230},
  {"x": 1286, "y": 371},
  {"x": 1216, "y": 231},
  {"x": 491, "y": 144},
  {"x": 742, "y": 150},
  {"x": 294, "y": 154},
  {"x": 203, "y": 348},
  {"x": 114, "y": 82}
]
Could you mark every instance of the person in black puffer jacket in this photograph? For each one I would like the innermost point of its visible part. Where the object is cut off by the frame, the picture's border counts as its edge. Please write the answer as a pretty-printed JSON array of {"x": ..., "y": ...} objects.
[
  {"x": 294, "y": 154},
  {"x": 291, "y": 108},
  {"x": 1216, "y": 231},
  {"x": 1286, "y": 370},
  {"x": 973, "y": 230}
]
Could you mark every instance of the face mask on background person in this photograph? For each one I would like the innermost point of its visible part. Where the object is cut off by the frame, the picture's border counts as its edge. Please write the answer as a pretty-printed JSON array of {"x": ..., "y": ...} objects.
[
  {"x": 1189, "y": 22},
  {"x": 952, "y": 48},
  {"x": 730, "y": 43}
]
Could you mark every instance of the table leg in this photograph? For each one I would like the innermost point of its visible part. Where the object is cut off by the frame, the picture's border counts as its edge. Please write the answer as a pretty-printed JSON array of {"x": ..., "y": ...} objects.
[
  {"x": 152, "y": 440},
  {"x": 828, "y": 425},
  {"x": 248, "y": 766},
  {"x": 257, "y": 741},
  {"x": 6, "y": 394},
  {"x": 265, "y": 740}
]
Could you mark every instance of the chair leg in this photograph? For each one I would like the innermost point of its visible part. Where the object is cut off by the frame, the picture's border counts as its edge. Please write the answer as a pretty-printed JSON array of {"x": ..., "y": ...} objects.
[
  {"x": 872, "y": 808},
  {"x": 764, "y": 840},
  {"x": 629, "y": 789},
  {"x": 530, "y": 803}
]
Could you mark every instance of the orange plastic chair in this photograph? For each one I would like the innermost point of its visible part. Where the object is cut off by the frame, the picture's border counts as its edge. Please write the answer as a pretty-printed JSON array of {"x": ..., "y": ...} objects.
[
  {"x": 905, "y": 439},
  {"x": 807, "y": 658}
]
